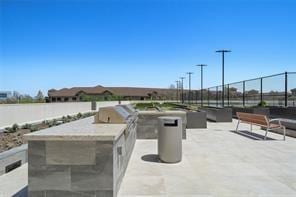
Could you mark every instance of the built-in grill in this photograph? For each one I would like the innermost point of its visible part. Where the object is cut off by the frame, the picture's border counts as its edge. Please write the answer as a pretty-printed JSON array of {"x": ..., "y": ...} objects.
[{"x": 119, "y": 114}]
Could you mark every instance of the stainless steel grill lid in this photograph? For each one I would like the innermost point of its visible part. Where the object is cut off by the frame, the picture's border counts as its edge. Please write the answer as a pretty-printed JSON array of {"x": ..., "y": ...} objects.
[{"x": 115, "y": 115}]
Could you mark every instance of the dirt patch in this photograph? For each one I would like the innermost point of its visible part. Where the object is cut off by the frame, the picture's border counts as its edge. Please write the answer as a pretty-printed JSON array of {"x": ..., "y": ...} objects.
[
  {"x": 14, "y": 136},
  {"x": 11, "y": 140}
]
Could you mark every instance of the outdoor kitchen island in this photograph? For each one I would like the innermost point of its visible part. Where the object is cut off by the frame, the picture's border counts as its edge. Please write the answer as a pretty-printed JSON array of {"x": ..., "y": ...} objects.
[{"x": 79, "y": 159}]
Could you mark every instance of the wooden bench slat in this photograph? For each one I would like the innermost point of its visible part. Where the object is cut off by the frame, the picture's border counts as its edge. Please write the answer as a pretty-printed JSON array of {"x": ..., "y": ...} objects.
[{"x": 259, "y": 120}]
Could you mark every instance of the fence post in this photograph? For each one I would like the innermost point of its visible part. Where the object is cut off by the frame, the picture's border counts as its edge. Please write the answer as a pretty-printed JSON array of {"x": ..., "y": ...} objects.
[
  {"x": 228, "y": 94},
  {"x": 201, "y": 97},
  {"x": 208, "y": 97},
  {"x": 261, "y": 90},
  {"x": 196, "y": 92},
  {"x": 286, "y": 89},
  {"x": 244, "y": 87},
  {"x": 217, "y": 97}
]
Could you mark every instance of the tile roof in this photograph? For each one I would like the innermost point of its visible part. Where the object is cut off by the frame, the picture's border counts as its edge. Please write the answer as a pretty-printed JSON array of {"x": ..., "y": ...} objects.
[{"x": 120, "y": 91}]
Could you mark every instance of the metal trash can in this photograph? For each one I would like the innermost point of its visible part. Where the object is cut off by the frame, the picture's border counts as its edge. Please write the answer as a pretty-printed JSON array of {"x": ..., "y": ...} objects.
[{"x": 170, "y": 139}]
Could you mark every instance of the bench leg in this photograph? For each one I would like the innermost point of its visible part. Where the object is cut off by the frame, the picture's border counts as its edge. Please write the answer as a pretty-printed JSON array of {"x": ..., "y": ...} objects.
[
  {"x": 251, "y": 127},
  {"x": 284, "y": 129},
  {"x": 237, "y": 125},
  {"x": 266, "y": 133}
]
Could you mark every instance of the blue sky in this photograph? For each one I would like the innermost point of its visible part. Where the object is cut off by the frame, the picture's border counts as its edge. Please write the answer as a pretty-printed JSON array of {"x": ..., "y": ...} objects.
[{"x": 56, "y": 44}]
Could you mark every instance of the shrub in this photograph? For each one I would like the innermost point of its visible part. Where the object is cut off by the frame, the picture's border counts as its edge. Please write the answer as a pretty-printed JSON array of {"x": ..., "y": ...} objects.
[
  {"x": 74, "y": 118},
  {"x": 26, "y": 126},
  {"x": 79, "y": 115},
  {"x": 7, "y": 130},
  {"x": 146, "y": 105},
  {"x": 33, "y": 128},
  {"x": 262, "y": 104},
  {"x": 54, "y": 121},
  {"x": 15, "y": 127},
  {"x": 50, "y": 124},
  {"x": 64, "y": 119}
]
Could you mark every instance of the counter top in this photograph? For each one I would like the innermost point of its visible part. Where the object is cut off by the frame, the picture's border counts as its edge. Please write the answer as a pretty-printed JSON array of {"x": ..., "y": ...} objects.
[
  {"x": 82, "y": 130},
  {"x": 166, "y": 112}
]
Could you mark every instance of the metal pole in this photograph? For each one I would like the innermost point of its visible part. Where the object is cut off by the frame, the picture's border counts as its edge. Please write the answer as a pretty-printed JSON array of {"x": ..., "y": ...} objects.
[
  {"x": 223, "y": 51},
  {"x": 217, "y": 97},
  {"x": 196, "y": 96},
  {"x": 261, "y": 90},
  {"x": 208, "y": 96},
  {"x": 228, "y": 94},
  {"x": 182, "y": 79},
  {"x": 201, "y": 85},
  {"x": 244, "y": 87},
  {"x": 189, "y": 93},
  {"x": 286, "y": 89},
  {"x": 177, "y": 96},
  {"x": 223, "y": 79},
  {"x": 201, "y": 82}
]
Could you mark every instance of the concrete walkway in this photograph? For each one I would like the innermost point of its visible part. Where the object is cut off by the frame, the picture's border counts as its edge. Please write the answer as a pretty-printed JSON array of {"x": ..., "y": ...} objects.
[
  {"x": 216, "y": 162},
  {"x": 14, "y": 182}
]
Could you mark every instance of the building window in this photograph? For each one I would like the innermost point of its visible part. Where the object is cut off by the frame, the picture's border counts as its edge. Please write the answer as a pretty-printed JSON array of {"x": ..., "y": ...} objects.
[
  {"x": 73, "y": 98},
  {"x": 66, "y": 99}
]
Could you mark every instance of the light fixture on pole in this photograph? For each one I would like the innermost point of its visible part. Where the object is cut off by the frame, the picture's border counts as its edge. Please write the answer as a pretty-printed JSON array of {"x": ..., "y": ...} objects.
[
  {"x": 201, "y": 82},
  {"x": 223, "y": 51},
  {"x": 189, "y": 88},
  {"x": 177, "y": 86},
  {"x": 182, "y": 88}
]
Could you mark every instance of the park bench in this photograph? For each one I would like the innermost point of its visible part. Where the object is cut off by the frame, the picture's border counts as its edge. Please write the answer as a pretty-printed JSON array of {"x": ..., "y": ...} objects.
[{"x": 260, "y": 120}]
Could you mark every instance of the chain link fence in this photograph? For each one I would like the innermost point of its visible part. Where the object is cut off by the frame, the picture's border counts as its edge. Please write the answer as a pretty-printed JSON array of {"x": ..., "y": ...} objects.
[{"x": 275, "y": 90}]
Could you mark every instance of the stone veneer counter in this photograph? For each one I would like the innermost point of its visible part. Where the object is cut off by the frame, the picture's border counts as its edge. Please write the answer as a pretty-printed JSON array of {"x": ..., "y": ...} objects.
[
  {"x": 79, "y": 158},
  {"x": 83, "y": 129}
]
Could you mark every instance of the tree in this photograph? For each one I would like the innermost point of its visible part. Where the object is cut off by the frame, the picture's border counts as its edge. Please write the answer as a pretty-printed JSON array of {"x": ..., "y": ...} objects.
[
  {"x": 233, "y": 92},
  {"x": 252, "y": 92},
  {"x": 293, "y": 91},
  {"x": 172, "y": 86},
  {"x": 26, "y": 99},
  {"x": 39, "y": 97}
]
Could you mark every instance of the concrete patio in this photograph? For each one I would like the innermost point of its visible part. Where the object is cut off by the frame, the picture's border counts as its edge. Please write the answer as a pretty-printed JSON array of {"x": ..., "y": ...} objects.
[{"x": 216, "y": 162}]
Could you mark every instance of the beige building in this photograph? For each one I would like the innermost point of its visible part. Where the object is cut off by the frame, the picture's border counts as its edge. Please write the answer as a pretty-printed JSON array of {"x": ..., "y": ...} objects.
[{"x": 109, "y": 93}]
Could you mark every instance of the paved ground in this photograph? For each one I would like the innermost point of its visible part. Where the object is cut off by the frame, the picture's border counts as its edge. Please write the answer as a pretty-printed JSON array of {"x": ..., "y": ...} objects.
[
  {"x": 14, "y": 182},
  {"x": 216, "y": 162}
]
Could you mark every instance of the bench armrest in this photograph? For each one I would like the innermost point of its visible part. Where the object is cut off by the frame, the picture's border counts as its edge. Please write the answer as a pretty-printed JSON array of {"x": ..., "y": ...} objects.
[{"x": 276, "y": 120}]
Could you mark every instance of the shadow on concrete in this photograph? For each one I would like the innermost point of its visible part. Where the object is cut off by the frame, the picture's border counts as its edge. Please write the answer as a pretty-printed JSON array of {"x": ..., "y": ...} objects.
[
  {"x": 250, "y": 135},
  {"x": 151, "y": 158},
  {"x": 22, "y": 193}
]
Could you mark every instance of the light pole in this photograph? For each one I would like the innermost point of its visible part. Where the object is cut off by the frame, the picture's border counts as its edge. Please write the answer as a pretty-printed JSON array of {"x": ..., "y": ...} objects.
[
  {"x": 189, "y": 88},
  {"x": 201, "y": 82},
  {"x": 182, "y": 88},
  {"x": 223, "y": 51},
  {"x": 177, "y": 83}
]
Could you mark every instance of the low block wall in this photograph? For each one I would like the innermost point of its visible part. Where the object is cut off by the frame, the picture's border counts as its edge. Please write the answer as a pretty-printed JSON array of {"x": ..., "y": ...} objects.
[
  {"x": 196, "y": 120},
  {"x": 13, "y": 158},
  {"x": 218, "y": 114},
  {"x": 253, "y": 110},
  {"x": 287, "y": 112},
  {"x": 148, "y": 121},
  {"x": 37, "y": 112}
]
